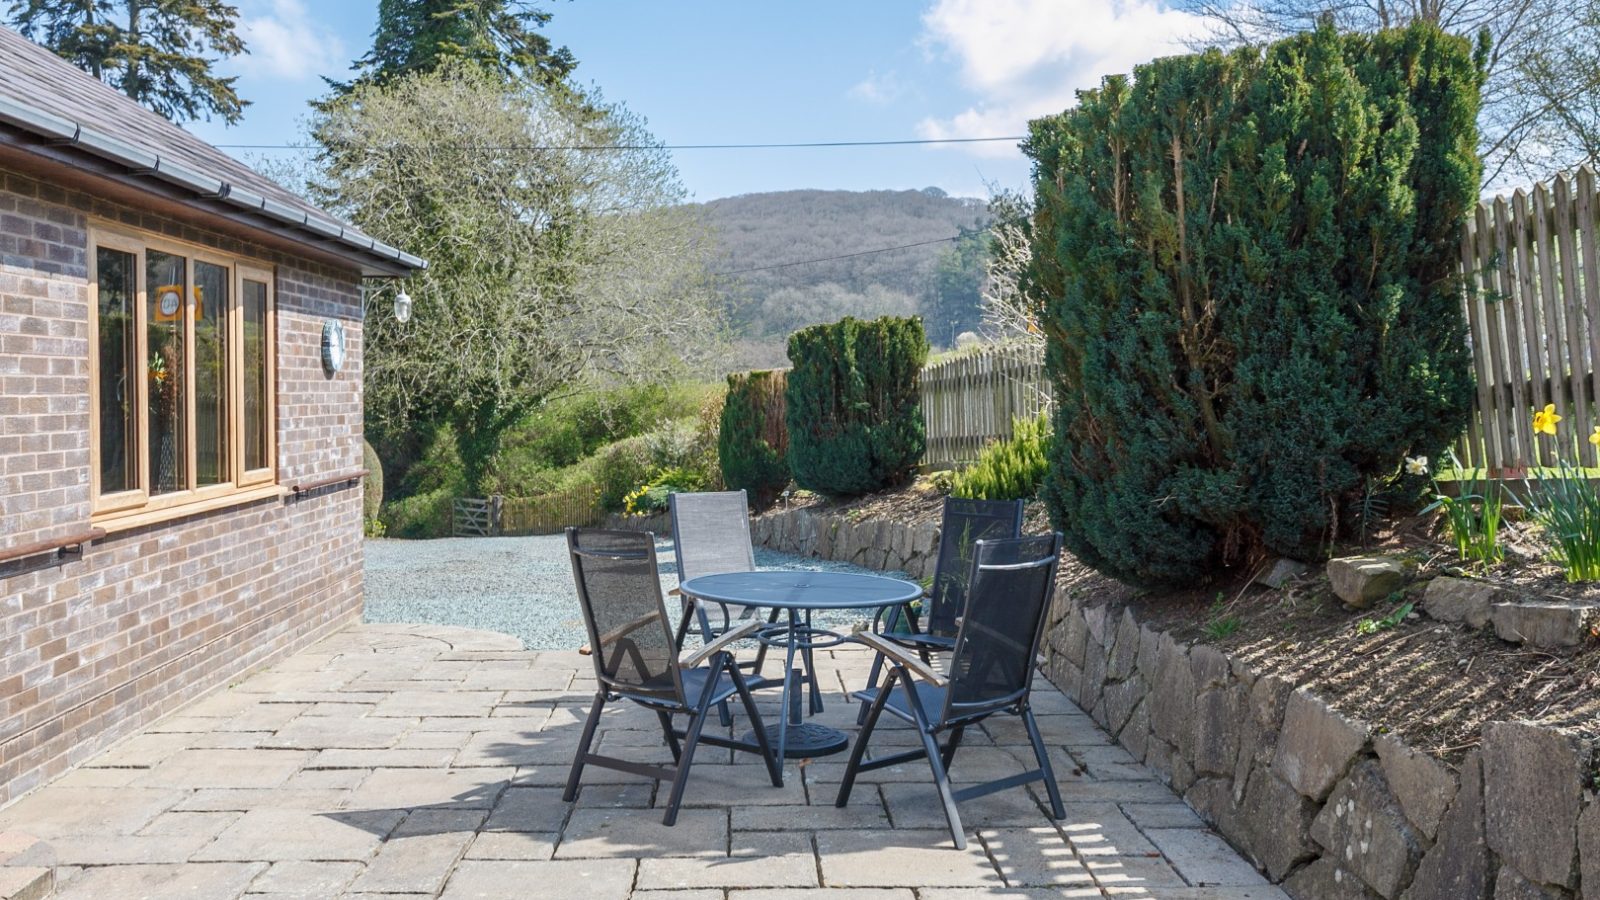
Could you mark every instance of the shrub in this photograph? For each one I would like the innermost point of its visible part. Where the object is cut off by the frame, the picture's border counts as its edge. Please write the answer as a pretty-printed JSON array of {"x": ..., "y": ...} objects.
[
  {"x": 1247, "y": 262},
  {"x": 752, "y": 439},
  {"x": 425, "y": 515},
  {"x": 852, "y": 410},
  {"x": 653, "y": 497},
  {"x": 1008, "y": 470},
  {"x": 372, "y": 490},
  {"x": 619, "y": 468},
  {"x": 564, "y": 432}
]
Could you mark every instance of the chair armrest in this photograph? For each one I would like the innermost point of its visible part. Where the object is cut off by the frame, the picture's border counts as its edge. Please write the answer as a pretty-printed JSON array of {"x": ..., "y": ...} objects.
[
  {"x": 675, "y": 592},
  {"x": 902, "y": 657},
  {"x": 726, "y": 638}
]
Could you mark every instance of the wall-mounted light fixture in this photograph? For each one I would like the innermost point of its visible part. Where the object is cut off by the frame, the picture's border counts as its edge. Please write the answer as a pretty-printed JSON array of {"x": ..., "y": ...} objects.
[{"x": 402, "y": 307}]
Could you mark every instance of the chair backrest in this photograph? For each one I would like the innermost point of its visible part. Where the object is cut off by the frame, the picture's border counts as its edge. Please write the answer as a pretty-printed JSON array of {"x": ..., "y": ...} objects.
[
  {"x": 630, "y": 636},
  {"x": 993, "y": 662},
  {"x": 965, "y": 523},
  {"x": 711, "y": 533}
]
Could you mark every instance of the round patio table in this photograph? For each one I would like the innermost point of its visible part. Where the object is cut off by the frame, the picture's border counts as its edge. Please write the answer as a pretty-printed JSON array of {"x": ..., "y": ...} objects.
[{"x": 800, "y": 594}]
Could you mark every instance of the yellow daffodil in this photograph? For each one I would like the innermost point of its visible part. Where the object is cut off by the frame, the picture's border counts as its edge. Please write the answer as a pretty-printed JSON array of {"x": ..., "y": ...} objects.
[
  {"x": 1544, "y": 421},
  {"x": 1416, "y": 465},
  {"x": 1595, "y": 438}
]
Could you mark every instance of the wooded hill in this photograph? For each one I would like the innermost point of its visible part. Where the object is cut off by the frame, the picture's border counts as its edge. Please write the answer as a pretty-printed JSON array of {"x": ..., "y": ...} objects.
[{"x": 770, "y": 229}]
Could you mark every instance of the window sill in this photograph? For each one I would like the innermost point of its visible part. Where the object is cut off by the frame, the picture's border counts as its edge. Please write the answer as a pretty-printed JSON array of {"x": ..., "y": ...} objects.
[{"x": 138, "y": 518}]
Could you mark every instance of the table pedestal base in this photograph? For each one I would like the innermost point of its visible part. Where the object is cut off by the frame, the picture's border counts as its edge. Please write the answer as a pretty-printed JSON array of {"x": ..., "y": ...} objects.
[{"x": 806, "y": 740}]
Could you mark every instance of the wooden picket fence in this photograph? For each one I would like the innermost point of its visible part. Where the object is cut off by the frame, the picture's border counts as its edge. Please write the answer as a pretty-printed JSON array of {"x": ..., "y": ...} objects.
[
  {"x": 551, "y": 513},
  {"x": 970, "y": 401},
  {"x": 543, "y": 514},
  {"x": 1531, "y": 263}
]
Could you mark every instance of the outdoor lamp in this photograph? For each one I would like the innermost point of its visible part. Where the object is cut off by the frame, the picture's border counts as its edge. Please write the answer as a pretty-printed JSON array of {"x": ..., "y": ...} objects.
[{"x": 402, "y": 307}]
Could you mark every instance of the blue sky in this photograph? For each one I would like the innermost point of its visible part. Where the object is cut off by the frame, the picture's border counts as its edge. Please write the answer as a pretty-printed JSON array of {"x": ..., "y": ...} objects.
[{"x": 735, "y": 71}]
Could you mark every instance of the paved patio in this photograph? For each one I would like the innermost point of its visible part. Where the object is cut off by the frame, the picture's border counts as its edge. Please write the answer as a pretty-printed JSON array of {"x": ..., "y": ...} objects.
[{"x": 426, "y": 761}]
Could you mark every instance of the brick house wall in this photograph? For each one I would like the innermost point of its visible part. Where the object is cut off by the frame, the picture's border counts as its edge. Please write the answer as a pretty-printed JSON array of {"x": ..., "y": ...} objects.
[{"x": 153, "y": 617}]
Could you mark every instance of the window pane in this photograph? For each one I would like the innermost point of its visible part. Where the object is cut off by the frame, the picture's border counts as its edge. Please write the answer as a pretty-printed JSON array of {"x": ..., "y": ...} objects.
[
  {"x": 211, "y": 373},
  {"x": 256, "y": 343},
  {"x": 164, "y": 286},
  {"x": 116, "y": 274}
]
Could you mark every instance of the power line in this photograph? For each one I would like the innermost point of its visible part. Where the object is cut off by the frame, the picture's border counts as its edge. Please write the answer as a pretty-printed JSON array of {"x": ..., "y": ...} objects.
[
  {"x": 597, "y": 147},
  {"x": 802, "y": 262}
]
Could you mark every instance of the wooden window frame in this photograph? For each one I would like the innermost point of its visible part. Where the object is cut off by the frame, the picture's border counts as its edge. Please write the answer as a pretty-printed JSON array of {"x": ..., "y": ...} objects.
[{"x": 137, "y": 506}]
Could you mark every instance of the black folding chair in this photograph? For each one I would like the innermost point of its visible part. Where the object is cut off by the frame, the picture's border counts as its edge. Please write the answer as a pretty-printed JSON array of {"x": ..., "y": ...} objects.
[
  {"x": 991, "y": 671},
  {"x": 636, "y": 657},
  {"x": 963, "y": 523}
]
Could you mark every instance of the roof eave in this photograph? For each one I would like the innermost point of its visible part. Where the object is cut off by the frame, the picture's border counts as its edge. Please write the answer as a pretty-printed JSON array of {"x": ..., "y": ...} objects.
[{"x": 139, "y": 162}]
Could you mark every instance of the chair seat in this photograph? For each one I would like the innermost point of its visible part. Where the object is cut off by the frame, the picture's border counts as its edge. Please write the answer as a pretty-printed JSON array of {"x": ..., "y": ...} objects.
[
  {"x": 922, "y": 641},
  {"x": 932, "y": 700},
  {"x": 694, "y": 681}
]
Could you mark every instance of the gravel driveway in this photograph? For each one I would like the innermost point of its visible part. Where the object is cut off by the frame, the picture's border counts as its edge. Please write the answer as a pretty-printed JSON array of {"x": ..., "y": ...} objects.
[{"x": 520, "y": 586}]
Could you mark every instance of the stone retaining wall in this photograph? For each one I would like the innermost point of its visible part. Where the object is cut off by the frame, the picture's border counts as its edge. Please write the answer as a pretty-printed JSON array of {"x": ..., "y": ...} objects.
[
  {"x": 1323, "y": 804},
  {"x": 873, "y": 543}
]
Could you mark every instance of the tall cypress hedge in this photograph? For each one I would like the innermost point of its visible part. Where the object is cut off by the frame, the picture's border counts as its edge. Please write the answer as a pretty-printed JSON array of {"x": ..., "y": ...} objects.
[
  {"x": 1248, "y": 268},
  {"x": 855, "y": 423},
  {"x": 753, "y": 441}
]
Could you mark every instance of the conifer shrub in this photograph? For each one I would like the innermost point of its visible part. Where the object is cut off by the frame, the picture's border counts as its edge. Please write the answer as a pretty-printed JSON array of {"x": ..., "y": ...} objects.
[
  {"x": 1008, "y": 470},
  {"x": 854, "y": 420},
  {"x": 1247, "y": 263},
  {"x": 753, "y": 440}
]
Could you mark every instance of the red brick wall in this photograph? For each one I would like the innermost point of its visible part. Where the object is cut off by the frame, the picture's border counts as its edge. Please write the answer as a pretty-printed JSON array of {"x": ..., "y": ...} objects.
[{"x": 153, "y": 617}]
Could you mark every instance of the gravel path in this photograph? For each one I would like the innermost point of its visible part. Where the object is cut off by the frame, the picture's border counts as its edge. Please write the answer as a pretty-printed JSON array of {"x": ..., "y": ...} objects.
[{"x": 520, "y": 586}]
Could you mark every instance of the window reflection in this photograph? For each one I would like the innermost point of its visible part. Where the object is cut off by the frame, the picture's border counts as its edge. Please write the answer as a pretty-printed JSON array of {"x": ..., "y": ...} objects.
[
  {"x": 211, "y": 373},
  {"x": 117, "y": 291},
  {"x": 165, "y": 280}
]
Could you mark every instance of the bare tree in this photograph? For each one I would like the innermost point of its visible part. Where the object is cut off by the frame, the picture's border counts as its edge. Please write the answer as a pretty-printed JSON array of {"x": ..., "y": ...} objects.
[
  {"x": 1534, "y": 97},
  {"x": 549, "y": 259}
]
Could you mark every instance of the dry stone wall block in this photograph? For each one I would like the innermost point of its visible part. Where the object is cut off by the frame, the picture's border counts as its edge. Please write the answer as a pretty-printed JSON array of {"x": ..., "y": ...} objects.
[
  {"x": 1210, "y": 665},
  {"x": 1422, "y": 784},
  {"x": 1218, "y": 721},
  {"x": 1326, "y": 880},
  {"x": 1533, "y": 790},
  {"x": 1543, "y": 623},
  {"x": 1459, "y": 600},
  {"x": 1509, "y": 885},
  {"x": 1364, "y": 831},
  {"x": 1362, "y": 581},
  {"x": 1589, "y": 849},
  {"x": 1316, "y": 746},
  {"x": 1276, "y": 821},
  {"x": 1119, "y": 700},
  {"x": 1124, "y": 656},
  {"x": 1457, "y": 866},
  {"x": 1172, "y": 696}
]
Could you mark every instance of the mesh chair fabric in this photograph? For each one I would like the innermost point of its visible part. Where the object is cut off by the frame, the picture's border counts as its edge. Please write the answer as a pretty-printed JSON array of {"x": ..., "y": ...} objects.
[
  {"x": 993, "y": 660},
  {"x": 630, "y": 636},
  {"x": 711, "y": 536},
  {"x": 965, "y": 522}
]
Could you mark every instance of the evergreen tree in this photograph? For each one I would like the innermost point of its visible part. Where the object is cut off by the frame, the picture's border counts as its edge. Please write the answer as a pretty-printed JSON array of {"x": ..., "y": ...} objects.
[
  {"x": 852, "y": 407},
  {"x": 1249, "y": 268},
  {"x": 499, "y": 36},
  {"x": 155, "y": 51},
  {"x": 954, "y": 302}
]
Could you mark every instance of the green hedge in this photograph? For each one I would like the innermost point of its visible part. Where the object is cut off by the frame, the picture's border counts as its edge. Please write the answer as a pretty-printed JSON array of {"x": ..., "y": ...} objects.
[
  {"x": 852, "y": 413},
  {"x": 1248, "y": 264},
  {"x": 752, "y": 442}
]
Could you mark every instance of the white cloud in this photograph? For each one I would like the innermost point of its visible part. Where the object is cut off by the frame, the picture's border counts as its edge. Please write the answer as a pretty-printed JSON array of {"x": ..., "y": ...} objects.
[
  {"x": 878, "y": 89},
  {"x": 284, "y": 41},
  {"x": 1027, "y": 58}
]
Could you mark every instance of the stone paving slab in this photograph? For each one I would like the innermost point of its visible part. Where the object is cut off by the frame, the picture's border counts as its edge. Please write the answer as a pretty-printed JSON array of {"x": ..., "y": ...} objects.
[{"x": 428, "y": 762}]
